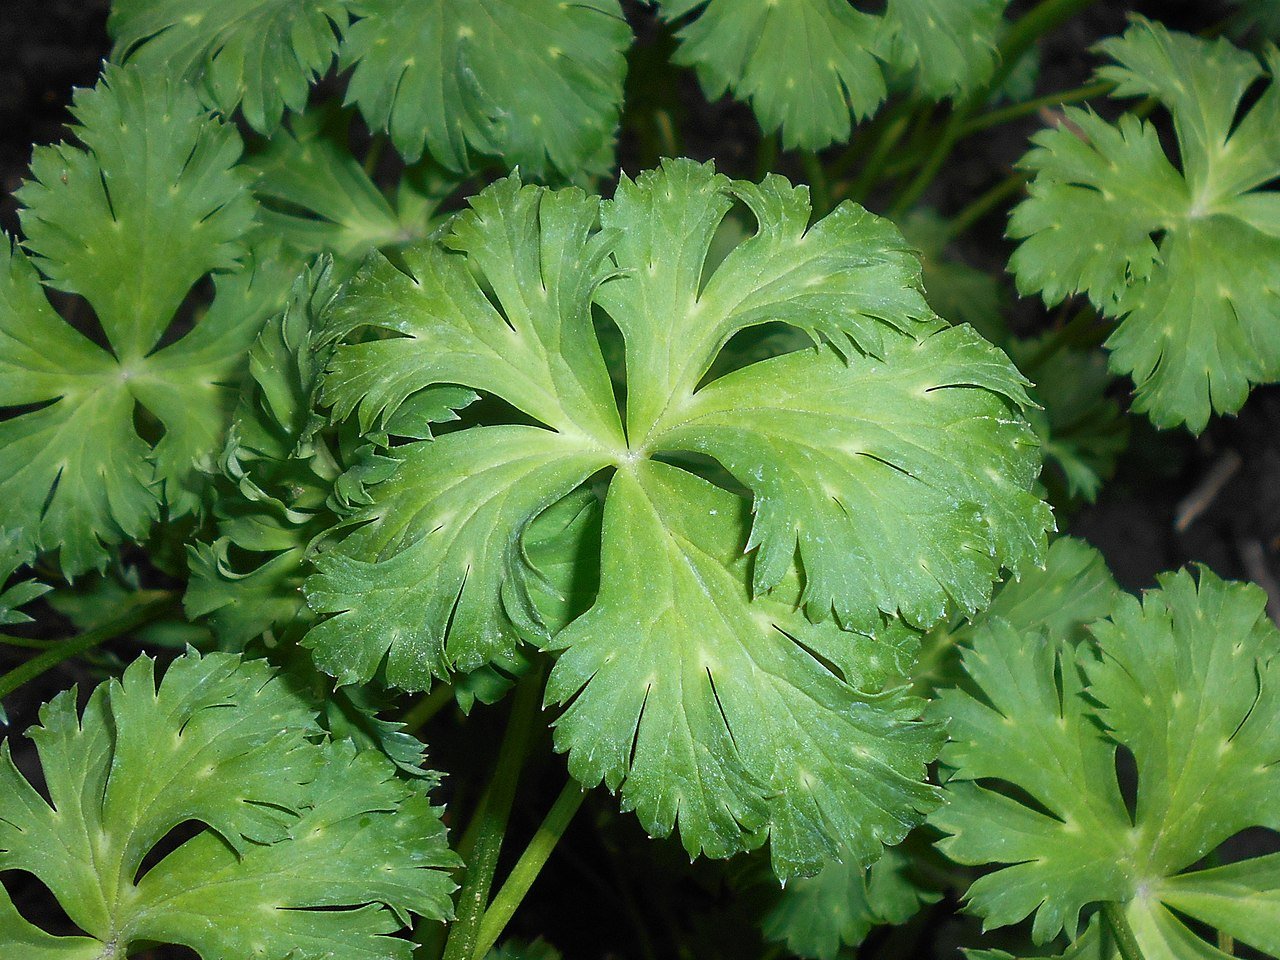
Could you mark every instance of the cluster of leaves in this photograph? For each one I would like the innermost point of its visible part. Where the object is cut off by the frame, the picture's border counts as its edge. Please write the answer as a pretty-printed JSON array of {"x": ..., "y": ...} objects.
[{"x": 744, "y": 477}]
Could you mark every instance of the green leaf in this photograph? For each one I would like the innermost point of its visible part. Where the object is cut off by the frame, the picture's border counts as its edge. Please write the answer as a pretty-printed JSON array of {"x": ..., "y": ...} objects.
[
  {"x": 816, "y": 916},
  {"x": 131, "y": 222},
  {"x": 452, "y": 516},
  {"x": 1185, "y": 257},
  {"x": 937, "y": 476},
  {"x": 536, "y": 83},
  {"x": 807, "y": 68},
  {"x": 281, "y": 483},
  {"x": 1072, "y": 590},
  {"x": 258, "y": 55},
  {"x": 319, "y": 199},
  {"x": 1185, "y": 681},
  {"x": 292, "y": 828},
  {"x": 518, "y": 950},
  {"x": 729, "y": 714},
  {"x": 1096, "y": 943},
  {"x": 13, "y": 554},
  {"x": 486, "y": 536}
]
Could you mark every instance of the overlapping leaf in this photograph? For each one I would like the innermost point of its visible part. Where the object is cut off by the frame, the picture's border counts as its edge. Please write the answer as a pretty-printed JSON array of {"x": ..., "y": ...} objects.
[
  {"x": 810, "y": 67},
  {"x": 318, "y": 199},
  {"x": 321, "y": 843},
  {"x": 535, "y": 82},
  {"x": 258, "y": 55},
  {"x": 1186, "y": 257},
  {"x": 1186, "y": 682},
  {"x": 816, "y": 916},
  {"x": 911, "y": 428},
  {"x": 129, "y": 222}
]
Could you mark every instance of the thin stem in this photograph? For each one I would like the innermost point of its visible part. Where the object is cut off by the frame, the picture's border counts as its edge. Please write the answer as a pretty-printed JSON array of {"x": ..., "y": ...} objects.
[
  {"x": 871, "y": 170},
  {"x": 374, "y": 154},
  {"x": 1013, "y": 111},
  {"x": 667, "y": 141},
  {"x": 817, "y": 177},
  {"x": 74, "y": 646},
  {"x": 766, "y": 154},
  {"x": 527, "y": 868},
  {"x": 985, "y": 203},
  {"x": 491, "y": 820},
  {"x": 420, "y": 714},
  {"x": 1126, "y": 942},
  {"x": 1064, "y": 336},
  {"x": 26, "y": 642},
  {"x": 1024, "y": 32},
  {"x": 932, "y": 164}
]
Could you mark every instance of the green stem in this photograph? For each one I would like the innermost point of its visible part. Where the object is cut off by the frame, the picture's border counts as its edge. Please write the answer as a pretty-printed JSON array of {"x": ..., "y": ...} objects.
[
  {"x": 1024, "y": 32},
  {"x": 420, "y": 714},
  {"x": 1126, "y": 942},
  {"x": 26, "y": 642},
  {"x": 667, "y": 142},
  {"x": 491, "y": 820},
  {"x": 817, "y": 177},
  {"x": 985, "y": 203},
  {"x": 933, "y": 163},
  {"x": 527, "y": 868},
  {"x": 74, "y": 646},
  {"x": 1064, "y": 336},
  {"x": 871, "y": 170},
  {"x": 376, "y": 146},
  {"x": 767, "y": 154},
  {"x": 1013, "y": 111}
]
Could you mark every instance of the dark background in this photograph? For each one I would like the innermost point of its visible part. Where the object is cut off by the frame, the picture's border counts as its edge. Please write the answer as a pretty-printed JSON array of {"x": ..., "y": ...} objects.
[{"x": 609, "y": 891}]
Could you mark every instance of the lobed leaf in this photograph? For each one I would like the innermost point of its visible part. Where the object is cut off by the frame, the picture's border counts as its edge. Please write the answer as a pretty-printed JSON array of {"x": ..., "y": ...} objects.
[
  {"x": 256, "y": 55},
  {"x": 1184, "y": 257},
  {"x": 535, "y": 82},
  {"x": 809, "y": 68},
  {"x": 1183, "y": 681},
  {"x": 130, "y": 222},
  {"x": 485, "y": 536},
  {"x": 290, "y": 828}
]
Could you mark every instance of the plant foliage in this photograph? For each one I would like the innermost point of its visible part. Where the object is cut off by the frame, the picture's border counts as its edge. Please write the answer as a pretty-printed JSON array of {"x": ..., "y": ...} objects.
[
  {"x": 1183, "y": 682},
  {"x": 722, "y": 620},
  {"x": 1185, "y": 256},
  {"x": 290, "y": 826}
]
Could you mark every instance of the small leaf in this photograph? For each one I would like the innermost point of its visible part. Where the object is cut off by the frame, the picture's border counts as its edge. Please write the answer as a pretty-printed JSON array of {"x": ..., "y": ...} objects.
[
  {"x": 1187, "y": 258},
  {"x": 258, "y": 55},
  {"x": 291, "y": 828},
  {"x": 810, "y": 67},
  {"x": 537, "y": 83},
  {"x": 1186, "y": 682}
]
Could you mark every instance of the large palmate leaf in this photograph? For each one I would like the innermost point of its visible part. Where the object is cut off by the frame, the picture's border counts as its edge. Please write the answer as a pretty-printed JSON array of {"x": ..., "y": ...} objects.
[
  {"x": 258, "y": 55},
  {"x": 1187, "y": 257},
  {"x": 537, "y": 83},
  {"x": 909, "y": 429},
  {"x": 322, "y": 844},
  {"x": 130, "y": 221},
  {"x": 810, "y": 67},
  {"x": 1186, "y": 682}
]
